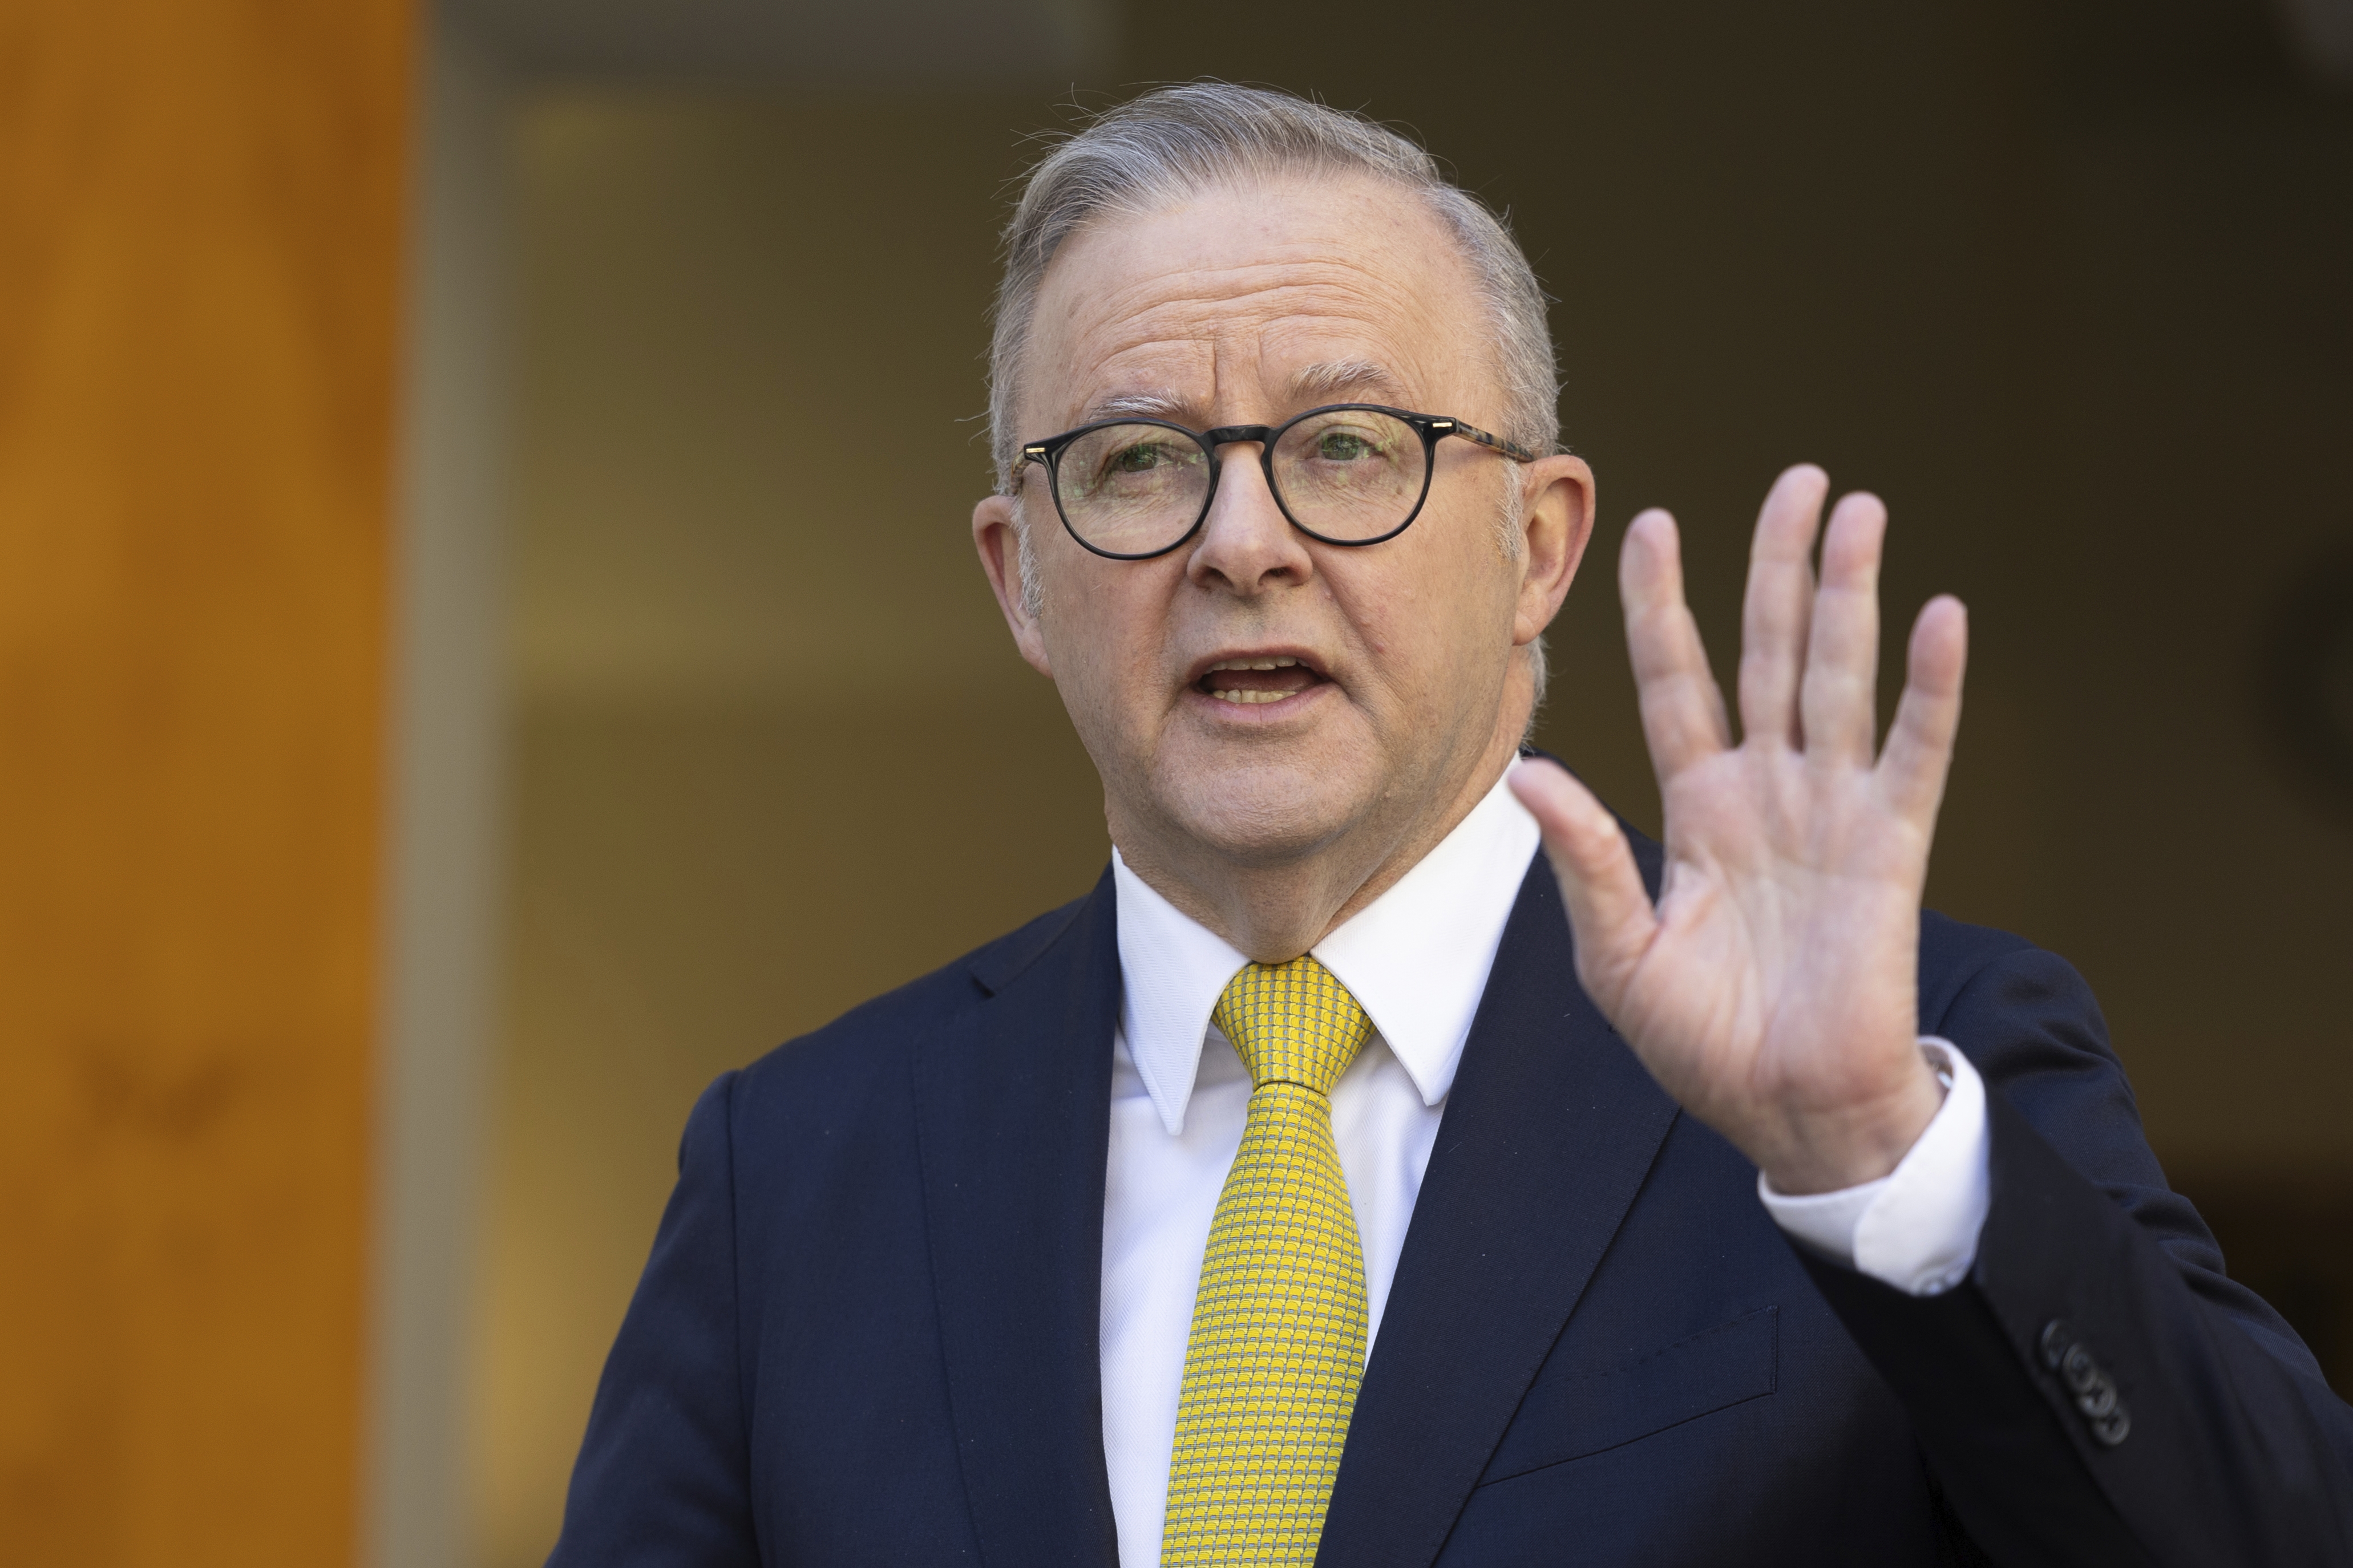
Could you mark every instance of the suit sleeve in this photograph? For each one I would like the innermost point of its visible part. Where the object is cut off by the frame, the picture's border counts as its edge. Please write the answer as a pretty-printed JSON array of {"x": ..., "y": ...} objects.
[
  {"x": 661, "y": 1480},
  {"x": 2098, "y": 1390}
]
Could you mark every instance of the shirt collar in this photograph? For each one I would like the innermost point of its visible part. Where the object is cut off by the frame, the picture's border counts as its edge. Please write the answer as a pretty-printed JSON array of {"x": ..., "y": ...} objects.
[{"x": 1416, "y": 958}]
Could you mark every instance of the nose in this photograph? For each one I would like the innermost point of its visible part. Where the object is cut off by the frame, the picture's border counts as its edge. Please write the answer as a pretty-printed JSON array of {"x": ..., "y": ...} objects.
[{"x": 1247, "y": 546}]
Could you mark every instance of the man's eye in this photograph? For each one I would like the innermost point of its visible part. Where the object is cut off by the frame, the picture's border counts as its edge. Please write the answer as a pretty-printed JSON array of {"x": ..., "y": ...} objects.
[
  {"x": 1138, "y": 459},
  {"x": 1344, "y": 446}
]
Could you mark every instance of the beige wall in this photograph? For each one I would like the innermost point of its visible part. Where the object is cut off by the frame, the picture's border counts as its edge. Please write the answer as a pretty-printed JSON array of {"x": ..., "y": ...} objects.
[{"x": 774, "y": 752}]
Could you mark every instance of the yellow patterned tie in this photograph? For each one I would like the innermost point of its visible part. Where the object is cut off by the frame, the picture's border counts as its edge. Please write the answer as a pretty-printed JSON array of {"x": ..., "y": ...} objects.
[{"x": 1278, "y": 1342}]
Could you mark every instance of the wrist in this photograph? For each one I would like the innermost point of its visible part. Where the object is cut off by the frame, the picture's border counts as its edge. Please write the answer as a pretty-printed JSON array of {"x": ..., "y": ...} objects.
[{"x": 1830, "y": 1150}]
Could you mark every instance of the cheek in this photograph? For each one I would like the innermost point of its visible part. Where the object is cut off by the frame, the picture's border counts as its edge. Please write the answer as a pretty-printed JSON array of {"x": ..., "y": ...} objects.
[
  {"x": 1104, "y": 630},
  {"x": 1433, "y": 612}
]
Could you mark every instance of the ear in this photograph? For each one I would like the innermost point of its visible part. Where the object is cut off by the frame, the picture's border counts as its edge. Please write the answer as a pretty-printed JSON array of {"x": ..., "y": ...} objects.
[
  {"x": 1557, "y": 522},
  {"x": 996, "y": 534}
]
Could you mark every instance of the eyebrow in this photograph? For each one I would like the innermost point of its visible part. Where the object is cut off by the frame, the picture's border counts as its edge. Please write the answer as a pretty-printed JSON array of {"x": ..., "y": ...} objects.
[
  {"x": 1139, "y": 404},
  {"x": 1329, "y": 380},
  {"x": 1333, "y": 381}
]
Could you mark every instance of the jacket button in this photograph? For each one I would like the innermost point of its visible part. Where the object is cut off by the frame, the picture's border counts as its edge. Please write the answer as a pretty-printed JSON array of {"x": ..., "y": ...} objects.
[{"x": 2093, "y": 1390}]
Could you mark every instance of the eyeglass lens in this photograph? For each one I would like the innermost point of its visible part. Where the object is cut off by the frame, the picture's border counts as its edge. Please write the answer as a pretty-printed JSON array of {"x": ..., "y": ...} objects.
[{"x": 1344, "y": 474}]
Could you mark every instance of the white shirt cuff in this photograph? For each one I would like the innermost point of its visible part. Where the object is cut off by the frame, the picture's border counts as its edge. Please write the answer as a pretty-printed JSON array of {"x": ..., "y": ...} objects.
[{"x": 1916, "y": 1227}]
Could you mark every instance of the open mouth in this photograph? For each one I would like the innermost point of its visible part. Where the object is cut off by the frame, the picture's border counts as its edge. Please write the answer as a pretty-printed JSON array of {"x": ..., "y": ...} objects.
[{"x": 1248, "y": 681}]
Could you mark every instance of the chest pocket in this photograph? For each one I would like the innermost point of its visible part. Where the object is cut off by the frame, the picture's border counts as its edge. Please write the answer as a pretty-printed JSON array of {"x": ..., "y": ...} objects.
[{"x": 1569, "y": 1415}]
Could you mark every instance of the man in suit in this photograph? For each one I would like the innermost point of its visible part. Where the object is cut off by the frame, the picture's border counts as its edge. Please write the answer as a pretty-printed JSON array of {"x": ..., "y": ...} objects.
[{"x": 1344, "y": 1179}]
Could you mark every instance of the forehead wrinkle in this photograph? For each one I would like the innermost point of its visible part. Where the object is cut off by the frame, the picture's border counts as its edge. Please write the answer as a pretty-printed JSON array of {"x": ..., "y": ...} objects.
[
  {"x": 1201, "y": 345},
  {"x": 1327, "y": 287},
  {"x": 1326, "y": 381},
  {"x": 1178, "y": 328},
  {"x": 1155, "y": 395}
]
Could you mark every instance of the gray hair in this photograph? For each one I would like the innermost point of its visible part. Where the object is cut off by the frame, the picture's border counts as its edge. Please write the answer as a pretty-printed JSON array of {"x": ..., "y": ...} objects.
[{"x": 1143, "y": 154}]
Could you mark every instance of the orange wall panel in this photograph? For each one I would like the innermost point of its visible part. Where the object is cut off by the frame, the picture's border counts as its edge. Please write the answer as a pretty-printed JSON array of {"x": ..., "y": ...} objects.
[{"x": 200, "y": 206}]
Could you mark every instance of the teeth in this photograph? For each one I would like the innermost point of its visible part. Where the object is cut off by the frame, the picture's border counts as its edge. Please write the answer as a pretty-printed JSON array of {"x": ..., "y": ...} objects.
[
  {"x": 1251, "y": 696},
  {"x": 1253, "y": 664}
]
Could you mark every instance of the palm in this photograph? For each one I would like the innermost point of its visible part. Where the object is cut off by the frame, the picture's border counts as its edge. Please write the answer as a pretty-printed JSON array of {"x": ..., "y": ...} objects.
[
  {"x": 1771, "y": 987},
  {"x": 1786, "y": 922}
]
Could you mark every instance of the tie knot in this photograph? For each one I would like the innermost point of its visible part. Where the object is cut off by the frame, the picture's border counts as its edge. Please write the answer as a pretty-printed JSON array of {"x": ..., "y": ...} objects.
[{"x": 1292, "y": 1023}]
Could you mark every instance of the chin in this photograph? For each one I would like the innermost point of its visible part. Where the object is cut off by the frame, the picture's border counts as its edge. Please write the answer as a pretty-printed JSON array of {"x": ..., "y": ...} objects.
[{"x": 1264, "y": 810}]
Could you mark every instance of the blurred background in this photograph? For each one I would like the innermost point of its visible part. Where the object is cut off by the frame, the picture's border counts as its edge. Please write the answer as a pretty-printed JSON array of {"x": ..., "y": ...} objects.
[{"x": 489, "y": 639}]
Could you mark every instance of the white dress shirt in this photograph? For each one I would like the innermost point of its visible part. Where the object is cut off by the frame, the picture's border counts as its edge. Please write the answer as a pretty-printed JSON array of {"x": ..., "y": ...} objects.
[{"x": 1417, "y": 960}]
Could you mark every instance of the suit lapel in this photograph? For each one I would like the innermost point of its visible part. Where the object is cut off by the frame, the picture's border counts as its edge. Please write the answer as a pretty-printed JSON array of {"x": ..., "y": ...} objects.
[
  {"x": 1013, "y": 1115},
  {"x": 1549, "y": 1131}
]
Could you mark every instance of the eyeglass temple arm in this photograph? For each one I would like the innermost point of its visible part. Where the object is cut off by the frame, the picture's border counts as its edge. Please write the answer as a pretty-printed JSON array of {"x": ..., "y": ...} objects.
[{"x": 1511, "y": 449}]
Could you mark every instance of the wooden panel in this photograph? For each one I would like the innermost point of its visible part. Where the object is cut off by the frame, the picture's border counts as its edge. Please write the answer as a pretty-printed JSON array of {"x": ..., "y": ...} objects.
[{"x": 199, "y": 254}]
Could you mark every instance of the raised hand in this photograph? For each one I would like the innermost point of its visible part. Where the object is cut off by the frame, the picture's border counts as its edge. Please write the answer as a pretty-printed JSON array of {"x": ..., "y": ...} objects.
[{"x": 1772, "y": 990}]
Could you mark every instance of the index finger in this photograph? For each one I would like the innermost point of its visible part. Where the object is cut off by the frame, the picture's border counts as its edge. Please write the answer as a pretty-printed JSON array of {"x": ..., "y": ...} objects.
[
  {"x": 1683, "y": 708},
  {"x": 1919, "y": 751}
]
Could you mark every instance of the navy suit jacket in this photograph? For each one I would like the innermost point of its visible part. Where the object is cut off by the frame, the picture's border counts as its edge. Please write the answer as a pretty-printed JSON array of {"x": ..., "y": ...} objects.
[{"x": 867, "y": 1332}]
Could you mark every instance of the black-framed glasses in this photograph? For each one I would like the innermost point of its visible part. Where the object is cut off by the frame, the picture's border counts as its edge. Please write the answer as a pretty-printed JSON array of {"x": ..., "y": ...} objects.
[{"x": 1347, "y": 473}]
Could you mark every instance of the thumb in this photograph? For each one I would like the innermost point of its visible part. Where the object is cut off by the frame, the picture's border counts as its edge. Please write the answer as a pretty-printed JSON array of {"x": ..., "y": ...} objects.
[{"x": 1608, "y": 909}]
